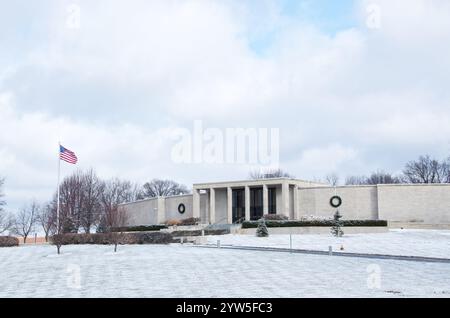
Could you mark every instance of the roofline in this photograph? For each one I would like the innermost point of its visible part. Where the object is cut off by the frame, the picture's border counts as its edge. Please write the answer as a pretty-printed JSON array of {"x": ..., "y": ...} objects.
[
  {"x": 156, "y": 198},
  {"x": 381, "y": 185},
  {"x": 256, "y": 181},
  {"x": 138, "y": 201}
]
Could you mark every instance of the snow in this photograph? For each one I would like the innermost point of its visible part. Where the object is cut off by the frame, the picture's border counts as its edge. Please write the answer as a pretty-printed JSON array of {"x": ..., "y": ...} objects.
[
  {"x": 426, "y": 243},
  {"x": 188, "y": 271}
]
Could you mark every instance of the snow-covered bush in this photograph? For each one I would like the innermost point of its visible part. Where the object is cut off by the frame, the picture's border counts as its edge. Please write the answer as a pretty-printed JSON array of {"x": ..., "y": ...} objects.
[
  {"x": 190, "y": 221},
  {"x": 319, "y": 223},
  {"x": 112, "y": 238},
  {"x": 173, "y": 222},
  {"x": 8, "y": 241},
  {"x": 261, "y": 230},
  {"x": 275, "y": 217},
  {"x": 337, "y": 224},
  {"x": 140, "y": 228},
  {"x": 315, "y": 218}
]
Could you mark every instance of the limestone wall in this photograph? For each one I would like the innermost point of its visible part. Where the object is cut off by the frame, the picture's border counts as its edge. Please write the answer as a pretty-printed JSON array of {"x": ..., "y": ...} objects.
[
  {"x": 172, "y": 204},
  {"x": 142, "y": 212},
  {"x": 359, "y": 202},
  {"x": 426, "y": 204}
]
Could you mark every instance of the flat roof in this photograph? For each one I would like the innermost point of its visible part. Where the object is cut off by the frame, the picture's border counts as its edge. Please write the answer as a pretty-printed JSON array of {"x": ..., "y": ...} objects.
[{"x": 256, "y": 181}]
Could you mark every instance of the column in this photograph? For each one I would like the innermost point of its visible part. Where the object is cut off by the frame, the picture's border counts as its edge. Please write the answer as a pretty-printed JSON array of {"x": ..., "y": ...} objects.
[
  {"x": 161, "y": 212},
  {"x": 229, "y": 205},
  {"x": 265, "y": 200},
  {"x": 212, "y": 206},
  {"x": 247, "y": 203},
  {"x": 195, "y": 203},
  {"x": 296, "y": 209},
  {"x": 285, "y": 199}
]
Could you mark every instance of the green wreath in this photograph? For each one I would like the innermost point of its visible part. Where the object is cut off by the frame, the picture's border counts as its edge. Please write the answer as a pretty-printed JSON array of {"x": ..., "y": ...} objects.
[
  {"x": 181, "y": 208},
  {"x": 335, "y": 201}
]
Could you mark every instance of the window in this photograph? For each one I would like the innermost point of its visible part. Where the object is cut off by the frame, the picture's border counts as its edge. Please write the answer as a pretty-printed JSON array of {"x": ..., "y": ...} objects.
[
  {"x": 272, "y": 200},
  {"x": 256, "y": 203}
]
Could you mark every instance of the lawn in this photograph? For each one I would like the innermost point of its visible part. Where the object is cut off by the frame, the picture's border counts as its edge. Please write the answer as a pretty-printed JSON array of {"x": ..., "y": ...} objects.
[{"x": 188, "y": 271}]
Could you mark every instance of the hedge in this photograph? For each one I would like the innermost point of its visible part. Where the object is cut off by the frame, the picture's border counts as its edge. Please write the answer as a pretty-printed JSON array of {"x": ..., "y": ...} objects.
[
  {"x": 141, "y": 228},
  {"x": 275, "y": 217},
  {"x": 323, "y": 223},
  {"x": 112, "y": 238},
  {"x": 8, "y": 241},
  {"x": 190, "y": 221},
  {"x": 199, "y": 232}
]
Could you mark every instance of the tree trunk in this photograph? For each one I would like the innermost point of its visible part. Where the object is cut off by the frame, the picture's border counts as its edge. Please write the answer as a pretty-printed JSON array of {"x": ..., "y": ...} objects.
[
  {"x": 58, "y": 247},
  {"x": 115, "y": 247},
  {"x": 25, "y": 239}
]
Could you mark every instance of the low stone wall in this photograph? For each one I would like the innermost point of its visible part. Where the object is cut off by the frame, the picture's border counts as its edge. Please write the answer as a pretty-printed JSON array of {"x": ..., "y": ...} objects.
[{"x": 317, "y": 230}]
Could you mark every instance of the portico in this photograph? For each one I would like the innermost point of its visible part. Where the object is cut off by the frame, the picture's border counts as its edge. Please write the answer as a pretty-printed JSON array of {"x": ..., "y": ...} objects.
[{"x": 234, "y": 202}]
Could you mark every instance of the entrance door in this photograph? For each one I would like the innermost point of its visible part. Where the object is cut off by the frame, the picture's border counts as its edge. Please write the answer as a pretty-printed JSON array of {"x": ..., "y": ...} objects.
[
  {"x": 256, "y": 203},
  {"x": 238, "y": 205}
]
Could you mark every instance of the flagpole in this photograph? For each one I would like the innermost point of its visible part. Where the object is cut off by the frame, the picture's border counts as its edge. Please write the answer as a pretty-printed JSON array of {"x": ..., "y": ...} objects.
[{"x": 57, "y": 191}]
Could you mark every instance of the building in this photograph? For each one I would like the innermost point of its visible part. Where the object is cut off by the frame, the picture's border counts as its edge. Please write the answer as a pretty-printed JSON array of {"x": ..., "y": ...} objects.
[{"x": 422, "y": 205}]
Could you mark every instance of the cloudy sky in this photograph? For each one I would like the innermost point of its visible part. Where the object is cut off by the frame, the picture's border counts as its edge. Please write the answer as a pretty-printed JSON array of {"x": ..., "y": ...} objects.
[{"x": 352, "y": 86}]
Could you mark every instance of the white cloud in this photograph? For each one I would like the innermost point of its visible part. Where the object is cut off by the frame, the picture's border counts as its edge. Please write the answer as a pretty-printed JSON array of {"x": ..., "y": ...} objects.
[
  {"x": 29, "y": 151},
  {"x": 318, "y": 161},
  {"x": 116, "y": 87}
]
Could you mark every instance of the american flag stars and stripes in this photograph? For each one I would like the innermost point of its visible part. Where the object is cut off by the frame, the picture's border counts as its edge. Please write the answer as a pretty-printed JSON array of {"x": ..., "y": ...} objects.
[{"x": 67, "y": 155}]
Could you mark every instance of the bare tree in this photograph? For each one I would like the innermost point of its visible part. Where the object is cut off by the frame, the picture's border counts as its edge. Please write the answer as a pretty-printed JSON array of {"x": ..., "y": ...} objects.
[
  {"x": 70, "y": 203},
  {"x": 332, "y": 179},
  {"x": 26, "y": 220},
  {"x": 80, "y": 201},
  {"x": 90, "y": 195},
  {"x": 162, "y": 188},
  {"x": 378, "y": 177},
  {"x": 58, "y": 229},
  {"x": 2, "y": 202},
  {"x": 6, "y": 221},
  {"x": 356, "y": 180},
  {"x": 116, "y": 219},
  {"x": 446, "y": 170},
  {"x": 381, "y": 177},
  {"x": 47, "y": 219},
  {"x": 269, "y": 174},
  {"x": 426, "y": 170},
  {"x": 114, "y": 192}
]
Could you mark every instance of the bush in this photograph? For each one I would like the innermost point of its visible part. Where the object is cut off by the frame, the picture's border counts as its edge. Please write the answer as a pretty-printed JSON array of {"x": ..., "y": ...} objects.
[
  {"x": 8, "y": 241},
  {"x": 173, "y": 222},
  {"x": 199, "y": 232},
  {"x": 141, "y": 228},
  {"x": 190, "y": 221},
  {"x": 261, "y": 230},
  {"x": 112, "y": 238},
  {"x": 327, "y": 223},
  {"x": 275, "y": 217}
]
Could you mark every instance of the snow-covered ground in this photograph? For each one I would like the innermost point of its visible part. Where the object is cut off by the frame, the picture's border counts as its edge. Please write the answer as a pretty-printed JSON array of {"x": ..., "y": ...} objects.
[
  {"x": 427, "y": 243},
  {"x": 188, "y": 271}
]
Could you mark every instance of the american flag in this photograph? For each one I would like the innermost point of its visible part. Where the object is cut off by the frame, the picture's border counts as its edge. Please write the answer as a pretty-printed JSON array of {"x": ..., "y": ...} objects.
[{"x": 67, "y": 155}]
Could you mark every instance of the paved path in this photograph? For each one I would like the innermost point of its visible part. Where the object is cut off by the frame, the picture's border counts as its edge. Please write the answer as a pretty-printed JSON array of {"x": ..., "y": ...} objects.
[{"x": 334, "y": 253}]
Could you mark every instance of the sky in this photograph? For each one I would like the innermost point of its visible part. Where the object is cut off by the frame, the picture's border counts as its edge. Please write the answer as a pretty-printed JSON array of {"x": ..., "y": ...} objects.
[{"x": 351, "y": 86}]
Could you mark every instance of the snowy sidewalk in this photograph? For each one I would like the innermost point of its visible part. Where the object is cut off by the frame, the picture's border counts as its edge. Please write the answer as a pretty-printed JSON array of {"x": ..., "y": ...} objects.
[{"x": 422, "y": 243}]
